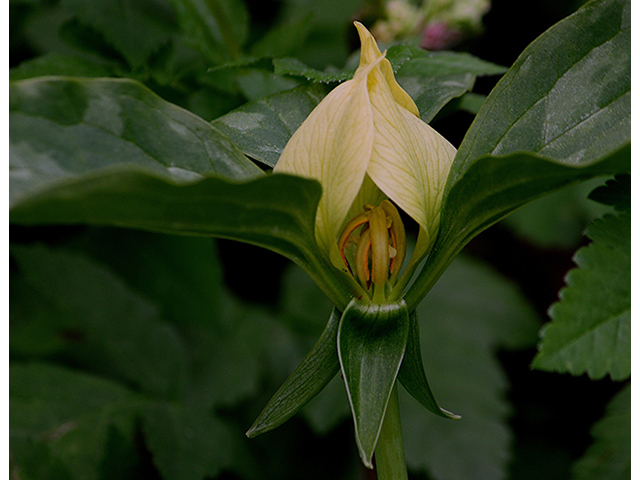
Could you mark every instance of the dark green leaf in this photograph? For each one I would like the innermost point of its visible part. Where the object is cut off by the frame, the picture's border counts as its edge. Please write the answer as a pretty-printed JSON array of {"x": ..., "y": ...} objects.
[
  {"x": 217, "y": 28},
  {"x": 311, "y": 376},
  {"x": 294, "y": 67},
  {"x": 228, "y": 356},
  {"x": 61, "y": 128},
  {"x": 59, "y": 64},
  {"x": 186, "y": 444},
  {"x": 433, "y": 93},
  {"x": 610, "y": 455},
  {"x": 61, "y": 422},
  {"x": 371, "y": 344},
  {"x": 440, "y": 64},
  {"x": 263, "y": 127},
  {"x": 469, "y": 315},
  {"x": 284, "y": 38},
  {"x": 571, "y": 110},
  {"x": 591, "y": 327},
  {"x": 434, "y": 78},
  {"x": 136, "y": 28},
  {"x": 304, "y": 311},
  {"x": 557, "y": 220},
  {"x": 94, "y": 320},
  {"x": 412, "y": 375},
  {"x": 258, "y": 83},
  {"x": 181, "y": 276},
  {"x": 276, "y": 212},
  {"x": 567, "y": 97},
  {"x": 431, "y": 79},
  {"x": 616, "y": 192}
]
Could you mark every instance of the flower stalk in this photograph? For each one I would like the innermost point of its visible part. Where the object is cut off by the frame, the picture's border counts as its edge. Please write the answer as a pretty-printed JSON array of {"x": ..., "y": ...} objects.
[
  {"x": 390, "y": 462},
  {"x": 374, "y": 157}
]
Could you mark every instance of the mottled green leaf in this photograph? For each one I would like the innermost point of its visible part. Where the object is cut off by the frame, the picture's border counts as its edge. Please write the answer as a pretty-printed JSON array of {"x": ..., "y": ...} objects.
[
  {"x": 262, "y": 128},
  {"x": 441, "y": 64},
  {"x": 565, "y": 101},
  {"x": 433, "y": 79},
  {"x": 62, "y": 128},
  {"x": 59, "y": 64},
  {"x": 68, "y": 142},
  {"x": 567, "y": 97}
]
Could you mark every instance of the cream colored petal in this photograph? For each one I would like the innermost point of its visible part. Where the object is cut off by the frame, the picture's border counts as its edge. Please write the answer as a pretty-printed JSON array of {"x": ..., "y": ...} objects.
[
  {"x": 410, "y": 161},
  {"x": 369, "y": 194},
  {"x": 369, "y": 53},
  {"x": 333, "y": 146}
]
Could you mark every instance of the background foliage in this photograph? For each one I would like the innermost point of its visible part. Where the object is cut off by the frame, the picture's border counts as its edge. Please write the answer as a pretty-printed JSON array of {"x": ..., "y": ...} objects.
[{"x": 142, "y": 354}]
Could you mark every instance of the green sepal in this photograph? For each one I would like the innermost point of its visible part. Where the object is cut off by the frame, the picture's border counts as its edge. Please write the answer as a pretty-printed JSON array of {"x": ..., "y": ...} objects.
[
  {"x": 412, "y": 374},
  {"x": 309, "y": 379},
  {"x": 371, "y": 344}
]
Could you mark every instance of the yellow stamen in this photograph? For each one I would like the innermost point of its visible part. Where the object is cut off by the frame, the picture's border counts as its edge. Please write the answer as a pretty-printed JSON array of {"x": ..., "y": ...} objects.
[
  {"x": 380, "y": 247},
  {"x": 354, "y": 223},
  {"x": 362, "y": 258},
  {"x": 398, "y": 238}
]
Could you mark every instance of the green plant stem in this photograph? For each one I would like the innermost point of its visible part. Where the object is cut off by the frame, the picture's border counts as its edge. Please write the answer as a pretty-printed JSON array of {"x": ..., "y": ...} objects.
[
  {"x": 228, "y": 37},
  {"x": 390, "y": 463}
]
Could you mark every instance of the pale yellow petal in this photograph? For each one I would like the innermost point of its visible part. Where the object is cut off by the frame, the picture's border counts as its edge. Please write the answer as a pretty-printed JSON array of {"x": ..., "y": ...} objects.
[
  {"x": 410, "y": 161},
  {"x": 369, "y": 194},
  {"x": 369, "y": 53},
  {"x": 333, "y": 146}
]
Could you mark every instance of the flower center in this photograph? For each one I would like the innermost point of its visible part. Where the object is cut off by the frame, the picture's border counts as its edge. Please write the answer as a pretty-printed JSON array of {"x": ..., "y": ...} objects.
[{"x": 377, "y": 251}]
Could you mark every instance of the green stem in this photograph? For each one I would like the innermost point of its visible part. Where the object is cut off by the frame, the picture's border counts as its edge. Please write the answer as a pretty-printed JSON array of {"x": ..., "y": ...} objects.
[
  {"x": 228, "y": 37},
  {"x": 390, "y": 463}
]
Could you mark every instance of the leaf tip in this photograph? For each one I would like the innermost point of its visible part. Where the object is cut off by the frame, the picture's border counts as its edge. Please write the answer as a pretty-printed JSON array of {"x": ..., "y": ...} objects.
[
  {"x": 448, "y": 414},
  {"x": 255, "y": 430}
]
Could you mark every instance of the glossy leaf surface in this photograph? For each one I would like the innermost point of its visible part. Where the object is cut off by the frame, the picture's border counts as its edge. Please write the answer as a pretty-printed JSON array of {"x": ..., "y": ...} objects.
[
  {"x": 371, "y": 344},
  {"x": 570, "y": 110},
  {"x": 62, "y": 128},
  {"x": 262, "y": 128}
]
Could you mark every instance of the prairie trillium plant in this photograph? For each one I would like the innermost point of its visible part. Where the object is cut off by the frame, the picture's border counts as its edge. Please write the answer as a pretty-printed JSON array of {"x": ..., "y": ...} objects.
[
  {"x": 373, "y": 156},
  {"x": 133, "y": 338},
  {"x": 366, "y": 144}
]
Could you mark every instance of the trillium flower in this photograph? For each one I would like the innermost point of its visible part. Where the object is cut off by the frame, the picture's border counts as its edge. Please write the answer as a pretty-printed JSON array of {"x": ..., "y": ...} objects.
[{"x": 367, "y": 146}]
